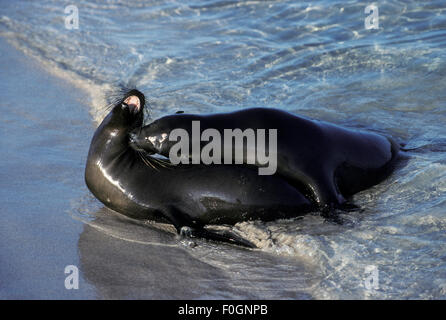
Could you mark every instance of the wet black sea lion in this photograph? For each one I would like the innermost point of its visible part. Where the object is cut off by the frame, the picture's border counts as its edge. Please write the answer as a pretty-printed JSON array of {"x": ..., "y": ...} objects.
[{"x": 188, "y": 196}]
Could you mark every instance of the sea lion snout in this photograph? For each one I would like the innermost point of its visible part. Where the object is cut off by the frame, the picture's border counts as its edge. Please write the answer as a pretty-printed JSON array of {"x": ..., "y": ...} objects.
[
  {"x": 133, "y": 103},
  {"x": 134, "y": 142},
  {"x": 140, "y": 142},
  {"x": 137, "y": 144},
  {"x": 133, "y": 138}
]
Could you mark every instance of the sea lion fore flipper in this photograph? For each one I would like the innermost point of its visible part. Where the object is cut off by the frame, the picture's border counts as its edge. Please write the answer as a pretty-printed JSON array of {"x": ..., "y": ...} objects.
[{"x": 222, "y": 236}]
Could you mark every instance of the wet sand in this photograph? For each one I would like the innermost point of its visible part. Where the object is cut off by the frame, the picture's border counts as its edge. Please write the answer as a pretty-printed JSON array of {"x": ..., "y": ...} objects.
[{"x": 44, "y": 140}]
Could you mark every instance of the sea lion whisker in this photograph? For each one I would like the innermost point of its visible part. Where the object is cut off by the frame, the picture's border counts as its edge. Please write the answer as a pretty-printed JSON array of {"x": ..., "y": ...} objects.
[
  {"x": 163, "y": 163},
  {"x": 156, "y": 161},
  {"x": 147, "y": 161},
  {"x": 150, "y": 161}
]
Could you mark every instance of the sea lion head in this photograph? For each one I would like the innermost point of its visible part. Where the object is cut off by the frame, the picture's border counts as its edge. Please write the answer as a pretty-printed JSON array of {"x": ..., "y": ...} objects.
[{"x": 128, "y": 111}]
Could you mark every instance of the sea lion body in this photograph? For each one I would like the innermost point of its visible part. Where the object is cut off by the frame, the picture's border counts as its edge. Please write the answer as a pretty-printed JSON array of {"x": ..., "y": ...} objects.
[
  {"x": 186, "y": 195},
  {"x": 326, "y": 162}
]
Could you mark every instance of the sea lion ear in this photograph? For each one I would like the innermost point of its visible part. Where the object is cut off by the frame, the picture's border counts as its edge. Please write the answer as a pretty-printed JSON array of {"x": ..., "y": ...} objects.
[
  {"x": 142, "y": 99},
  {"x": 178, "y": 112}
]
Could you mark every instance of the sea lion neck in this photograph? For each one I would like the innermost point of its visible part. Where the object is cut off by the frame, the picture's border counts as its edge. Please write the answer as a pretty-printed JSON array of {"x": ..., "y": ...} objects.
[
  {"x": 110, "y": 143},
  {"x": 111, "y": 137}
]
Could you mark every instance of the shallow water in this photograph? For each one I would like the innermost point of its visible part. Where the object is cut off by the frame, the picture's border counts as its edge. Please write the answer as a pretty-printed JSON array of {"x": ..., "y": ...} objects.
[{"x": 315, "y": 59}]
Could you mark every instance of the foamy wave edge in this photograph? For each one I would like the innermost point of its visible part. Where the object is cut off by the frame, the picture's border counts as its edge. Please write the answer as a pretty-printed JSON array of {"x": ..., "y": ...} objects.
[{"x": 96, "y": 98}]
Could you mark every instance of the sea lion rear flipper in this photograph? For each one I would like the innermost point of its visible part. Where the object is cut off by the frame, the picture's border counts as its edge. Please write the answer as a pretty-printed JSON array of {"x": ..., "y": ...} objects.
[
  {"x": 325, "y": 191},
  {"x": 186, "y": 227},
  {"x": 222, "y": 236}
]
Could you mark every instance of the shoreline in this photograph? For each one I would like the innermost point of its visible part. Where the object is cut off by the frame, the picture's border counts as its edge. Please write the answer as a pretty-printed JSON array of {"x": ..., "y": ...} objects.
[
  {"x": 45, "y": 143},
  {"x": 96, "y": 99}
]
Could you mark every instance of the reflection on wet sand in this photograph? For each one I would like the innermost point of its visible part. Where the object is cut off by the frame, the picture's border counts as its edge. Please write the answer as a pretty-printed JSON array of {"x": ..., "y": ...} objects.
[{"x": 128, "y": 259}]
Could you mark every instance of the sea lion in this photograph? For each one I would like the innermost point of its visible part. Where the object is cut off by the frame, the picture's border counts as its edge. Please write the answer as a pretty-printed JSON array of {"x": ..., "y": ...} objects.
[
  {"x": 326, "y": 162},
  {"x": 188, "y": 196}
]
